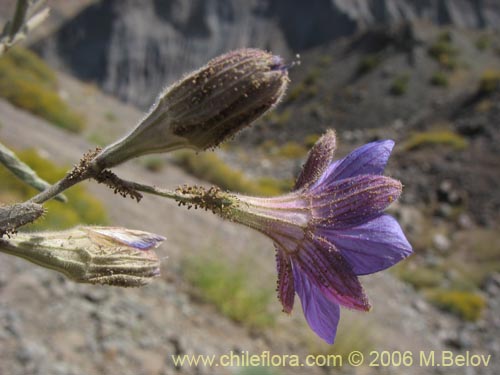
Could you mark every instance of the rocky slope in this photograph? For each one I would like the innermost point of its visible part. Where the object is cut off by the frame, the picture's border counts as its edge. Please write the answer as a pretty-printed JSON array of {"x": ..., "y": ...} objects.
[
  {"x": 132, "y": 49},
  {"x": 50, "y": 325}
]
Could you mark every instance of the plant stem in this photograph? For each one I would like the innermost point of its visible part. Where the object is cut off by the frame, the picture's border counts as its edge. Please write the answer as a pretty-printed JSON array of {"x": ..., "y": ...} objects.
[
  {"x": 18, "y": 19},
  {"x": 154, "y": 190},
  {"x": 56, "y": 189},
  {"x": 80, "y": 172},
  {"x": 23, "y": 171}
]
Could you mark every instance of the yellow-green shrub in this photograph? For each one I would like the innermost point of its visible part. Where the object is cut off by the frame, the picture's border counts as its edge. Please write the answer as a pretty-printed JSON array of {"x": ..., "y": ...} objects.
[
  {"x": 439, "y": 79},
  {"x": 230, "y": 290},
  {"x": 154, "y": 164},
  {"x": 435, "y": 137},
  {"x": 280, "y": 118},
  {"x": 292, "y": 150},
  {"x": 420, "y": 278},
  {"x": 30, "y": 65},
  {"x": 26, "y": 82},
  {"x": 443, "y": 51},
  {"x": 483, "y": 43},
  {"x": 82, "y": 208},
  {"x": 311, "y": 139},
  {"x": 400, "y": 85},
  {"x": 209, "y": 167},
  {"x": 467, "y": 305},
  {"x": 368, "y": 63},
  {"x": 490, "y": 81},
  {"x": 301, "y": 90}
]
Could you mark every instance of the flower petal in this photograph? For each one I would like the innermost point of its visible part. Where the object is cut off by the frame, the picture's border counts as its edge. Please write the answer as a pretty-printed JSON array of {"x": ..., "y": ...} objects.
[
  {"x": 321, "y": 314},
  {"x": 137, "y": 239},
  {"x": 325, "y": 267},
  {"x": 353, "y": 201},
  {"x": 285, "y": 289},
  {"x": 372, "y": 246},
  {"x": 318, "y": 160},
  {"x": 368, "y": 159}
]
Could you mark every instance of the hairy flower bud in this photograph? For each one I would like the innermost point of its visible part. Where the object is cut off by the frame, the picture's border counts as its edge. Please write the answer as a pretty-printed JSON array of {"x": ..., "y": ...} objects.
[
  {"x": 205, "y": 107},
  {"x": 17, "y": 215},
  {"x": 94, "y": 255}
]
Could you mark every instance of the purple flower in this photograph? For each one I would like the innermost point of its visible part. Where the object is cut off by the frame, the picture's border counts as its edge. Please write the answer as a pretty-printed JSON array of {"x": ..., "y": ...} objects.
[{"x": 329, "y": 230}]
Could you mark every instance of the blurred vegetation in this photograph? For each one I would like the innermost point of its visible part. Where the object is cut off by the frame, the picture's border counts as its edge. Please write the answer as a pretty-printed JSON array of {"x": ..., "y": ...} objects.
[
  {"x": 26, "y": 82},
  {"x": 154, "y": 164},
  {"x": 439, "y": 79},
  {"x": 98, "y": 138},
  {"x": 82, "y": 208},
  {"x": 467, "y": 305},
  {"x": 110, "y": 117},
  {"x": 444, "y": 52},
  {"x": 424, "y": 277},
  {"x": 279, "y": 117},
  {"x": 292, "y": 150},
  {"x": 482, "y": 257},
  {"x": 483, "y": 43},
  {"x": 490, "y": 81},
  {"x": 211, "y": 168},
  {"x": 483, "y": 106},
  {"x": 435, "y": 138},
  {"x": 307, "y": 88},
  {"x": 310, "y": 140},
  {"x": 368, "y": 63},
  {"x": 353, "y": 333},
  {"x": 400, "y": 85},
  {"x": 302, "y": 91},
  {"x": 257, "y": 371},
  {"x": 288, "y": 150},
  {"x": 231, "y": 290},
  {"x": 452, "y": 281}
]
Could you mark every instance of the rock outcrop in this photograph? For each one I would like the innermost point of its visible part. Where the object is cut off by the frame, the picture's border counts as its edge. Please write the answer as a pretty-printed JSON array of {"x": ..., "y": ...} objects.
[{"x": 133, "y": 48}]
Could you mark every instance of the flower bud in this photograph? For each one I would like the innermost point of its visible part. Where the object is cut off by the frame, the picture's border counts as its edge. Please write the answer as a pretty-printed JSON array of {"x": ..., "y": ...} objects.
[
  {"x": 94, "y": 255},
  {"x": 17, "y": 215},
  {"x": 205, "y": 107}
]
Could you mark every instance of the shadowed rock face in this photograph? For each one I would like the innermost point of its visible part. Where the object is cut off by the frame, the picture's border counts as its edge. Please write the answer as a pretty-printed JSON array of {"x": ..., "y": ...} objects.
[{"x": 133, "y": 48}]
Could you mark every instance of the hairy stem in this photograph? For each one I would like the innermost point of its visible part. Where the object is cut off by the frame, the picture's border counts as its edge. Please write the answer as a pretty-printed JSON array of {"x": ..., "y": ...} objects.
[
  {"x": 24, "y": 172},
  {"x": 81, "y": 172},
  {"x": 58, "y": 188}
]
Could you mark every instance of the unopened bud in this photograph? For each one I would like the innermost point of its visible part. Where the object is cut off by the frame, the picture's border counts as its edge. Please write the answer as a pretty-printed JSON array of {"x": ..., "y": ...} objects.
[
  {"x": 205, "y": 107},
  {"x": 94, "y": 255}
]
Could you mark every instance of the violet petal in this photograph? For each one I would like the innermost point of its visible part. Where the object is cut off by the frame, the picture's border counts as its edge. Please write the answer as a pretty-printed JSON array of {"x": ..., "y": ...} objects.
[
  {"x": 321, "y": 314},
  {"x": 368, "y": 159},
  {"x": 137, "y": 239},
  {"x": 372, "y": 246}
]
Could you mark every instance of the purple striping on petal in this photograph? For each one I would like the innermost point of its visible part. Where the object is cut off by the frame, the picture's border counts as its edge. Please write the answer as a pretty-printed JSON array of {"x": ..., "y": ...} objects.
[
  {"x": 327, "y": 269},
  {"x": 285, "y": 289},
  {"x": 355, "y": 200},
  {"x": 145, "y": 243},
  {"x": 318, "y": 160}
]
